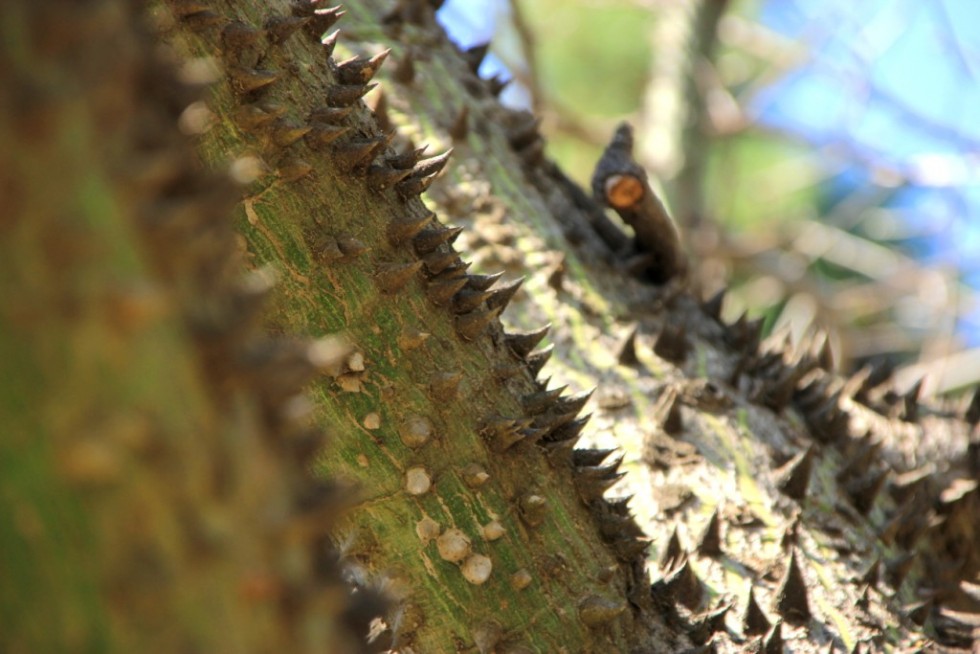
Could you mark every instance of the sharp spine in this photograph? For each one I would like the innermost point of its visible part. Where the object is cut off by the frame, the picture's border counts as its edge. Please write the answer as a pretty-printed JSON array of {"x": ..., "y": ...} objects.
[
  {"x": 360, "y": 70},
  {"x": 672, "y": 553},
  {"x": 391, "y": 278},
  {"x": 350, "y": 245},
  {"x": 483, "y": 282},
  {"x": 525, "y": 133},
  {"x": 521, "y": 343},
  {"x": 627, "y": 350},
  {"x": 344, "y": 95},
  {"x": 329, "y": 115},
  {"x": 413, "y": 186},
  {"x": 592, "y": 482},
  {"x": 773, "y": 642},
  {"x": 440, "y": 291},
  {"x": 467, "y": 300},
  {"x": 504, "y": 433},
  {"x": 713, "y": 305},
  {"x": 320, "y": 19},
  {"x": 560, "y": 426},
  {"x": 684, "y": 586},
  {"x": 910, "y": 403},
  {"x": 863, "y": 490},
  {"x": 590, "y": 457},
  {"x": 754, "y": 621},
  {"x": 574, "y": 403},
  {"x": 710, "y": 542},
  {"x": 667, "y": 412},
  {"x": 432, "y": 165},
  {"x": 254, "y": 117},
  {"x": 471, "y": 325},
  {"x": 791, "y": 599},
  {"x": 793, "y": 477},
  {"x": 293, "y": 170},
  {"x": 474, "y": 56},
  {"x": 536, "y": 360},
  {"x": 497, "y": 84},
  {"x": 280, "y": 28},
  {"x": 502, "y": 296},
  {"x": 402, "y": 230},
  {"x": 437, "y": 262},
  {"x": 541, "y": 401},
  {"x": 430, "y": 238},
  {"x": 382, "y": 176},
  {"x": 285, "y": 133},
  {"x": 407, "y": 159},
  {"x": 238, "y": 35},
  {"x": 328, "y": 43},
  {"x": 357, "y": 153},
  {"x": 248, "y": 80}
]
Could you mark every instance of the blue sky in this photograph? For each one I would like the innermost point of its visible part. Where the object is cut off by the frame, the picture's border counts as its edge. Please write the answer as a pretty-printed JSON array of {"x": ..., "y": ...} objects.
[
  {"x": 887, "y": 86},
  {"x": 892, "y": 85}
]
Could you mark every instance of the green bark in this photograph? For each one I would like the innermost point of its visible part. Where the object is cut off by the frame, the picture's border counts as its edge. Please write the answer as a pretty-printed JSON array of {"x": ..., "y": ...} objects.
[
  {"x": 154, "y": 489},
  {"x": 549, "y": 566}
]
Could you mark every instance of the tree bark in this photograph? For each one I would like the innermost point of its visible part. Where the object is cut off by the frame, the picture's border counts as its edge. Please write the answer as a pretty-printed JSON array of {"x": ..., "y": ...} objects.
[{"x": 487, "y": 530}]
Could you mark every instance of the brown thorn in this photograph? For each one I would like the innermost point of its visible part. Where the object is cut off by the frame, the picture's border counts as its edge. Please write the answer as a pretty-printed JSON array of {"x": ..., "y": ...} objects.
[
  {"x": 382, "y": 176},
  {"x": 521, "y": 343},
  {"x": 791, "y": 600},
  {"x": 793, "y": 477},
  {"x": 754, "y": 621},
  {"x": 627, "y": 350},
  {"x": 471, "y": 325},
  {"x": 402, "y": 230},
  {"x": 360, "y": 70},
  {"x": 710, "y": 542},
  {"x": 344, "y": 95},
  {"x": 391, "y": 278},
  {"x": 430, "y": 238}
]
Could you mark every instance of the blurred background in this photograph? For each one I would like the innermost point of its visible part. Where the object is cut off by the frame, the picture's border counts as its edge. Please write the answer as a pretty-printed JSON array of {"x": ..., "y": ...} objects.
[{"x": 821, "y": 156}]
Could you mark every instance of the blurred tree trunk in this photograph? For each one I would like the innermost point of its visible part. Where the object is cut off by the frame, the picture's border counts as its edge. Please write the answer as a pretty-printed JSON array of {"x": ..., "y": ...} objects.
[{"x": 674, "y": 117}]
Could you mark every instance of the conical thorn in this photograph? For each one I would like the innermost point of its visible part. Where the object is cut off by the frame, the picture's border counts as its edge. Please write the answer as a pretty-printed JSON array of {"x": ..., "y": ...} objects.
[
  {"x": 521, "y": 343},
  {"x": 413, "y": 186},
  {"x": 536, "y": 360},
  {"x": 382, "y": 176},
  {"x": 471, "y": 325},
  {"x": 440, "y": 291},
  {"x": 710, "y": 542},
  {"x": 280, "y": 28},
  {"x": 430, "y": 238},
  {"x": 474, "y": 56},
  {"x": 403, "y": 230},
  {"x": 793, "y": 477},
  {"x": 391, "y": 278},
  {"x": 247, "y": 80},
  {"x": 791, "y": 599},
  {"x": 432, "y": 165},
  {"x": 360, "y": 70},
  {"x": 344, "y": 95}
]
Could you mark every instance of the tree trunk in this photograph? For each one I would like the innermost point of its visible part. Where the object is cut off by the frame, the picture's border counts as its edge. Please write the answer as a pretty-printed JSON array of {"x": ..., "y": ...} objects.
[{"x": 156, "y": 495}]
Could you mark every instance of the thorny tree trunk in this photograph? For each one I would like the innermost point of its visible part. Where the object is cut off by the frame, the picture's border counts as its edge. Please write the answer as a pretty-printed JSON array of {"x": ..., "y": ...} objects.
[{"x": 155, "y": 442}]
